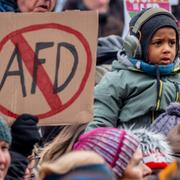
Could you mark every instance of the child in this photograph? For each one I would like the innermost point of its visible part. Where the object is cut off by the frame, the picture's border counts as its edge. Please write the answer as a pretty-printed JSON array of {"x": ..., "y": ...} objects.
[
  {"x": 143, "y": 82},
  {"x": 119, "y": 148}
]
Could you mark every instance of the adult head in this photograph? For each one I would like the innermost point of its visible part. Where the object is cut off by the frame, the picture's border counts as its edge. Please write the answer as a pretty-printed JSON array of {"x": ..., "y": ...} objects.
[
  {"x": 119, "y": 148},
  {"x": 5, "y": 142},
  {"x": 173, "y": 138},
  {"x": 36, "y": 5},
  {"x": 77, "y": 165}
]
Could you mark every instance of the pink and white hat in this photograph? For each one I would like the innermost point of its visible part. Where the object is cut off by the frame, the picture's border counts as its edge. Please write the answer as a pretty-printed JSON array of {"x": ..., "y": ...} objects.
[{"x": 114, "y": 145}]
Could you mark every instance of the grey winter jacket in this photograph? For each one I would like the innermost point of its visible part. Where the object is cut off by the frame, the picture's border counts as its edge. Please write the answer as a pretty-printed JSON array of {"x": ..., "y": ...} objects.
[{"x": 134, "y": 95}]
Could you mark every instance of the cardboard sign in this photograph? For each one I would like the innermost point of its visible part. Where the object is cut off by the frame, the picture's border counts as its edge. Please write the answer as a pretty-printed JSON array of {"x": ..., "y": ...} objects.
[
  {"x": 47, "y": 66},
  {"x": 131, "y": 7}
]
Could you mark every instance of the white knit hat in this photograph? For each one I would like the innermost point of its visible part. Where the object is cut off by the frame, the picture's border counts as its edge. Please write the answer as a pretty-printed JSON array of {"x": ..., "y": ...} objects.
[{"x": 155, "y": 148}]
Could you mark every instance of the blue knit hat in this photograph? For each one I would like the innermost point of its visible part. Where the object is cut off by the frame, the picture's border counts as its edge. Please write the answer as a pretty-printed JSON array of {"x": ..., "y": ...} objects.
[{"x": 5, "y": 133}]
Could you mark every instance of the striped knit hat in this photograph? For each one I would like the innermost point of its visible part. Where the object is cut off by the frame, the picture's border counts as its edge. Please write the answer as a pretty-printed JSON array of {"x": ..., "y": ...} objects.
[{"x": 114, "y": 145}]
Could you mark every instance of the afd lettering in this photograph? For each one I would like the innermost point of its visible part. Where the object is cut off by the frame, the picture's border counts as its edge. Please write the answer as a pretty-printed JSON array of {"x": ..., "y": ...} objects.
[{"x": 38, "y": 62}]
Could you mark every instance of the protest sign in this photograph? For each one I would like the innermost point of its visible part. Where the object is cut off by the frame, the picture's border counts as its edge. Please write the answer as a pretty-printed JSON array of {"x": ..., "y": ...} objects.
[
  {"x": 47, "y": 66},
  {"x": 131, "y": 7}
]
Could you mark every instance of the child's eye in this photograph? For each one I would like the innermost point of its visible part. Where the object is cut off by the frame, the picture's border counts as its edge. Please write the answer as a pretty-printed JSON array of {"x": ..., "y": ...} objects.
[
  {"x": 157, "y": 43},
  {"x": 172, "y": 43}
]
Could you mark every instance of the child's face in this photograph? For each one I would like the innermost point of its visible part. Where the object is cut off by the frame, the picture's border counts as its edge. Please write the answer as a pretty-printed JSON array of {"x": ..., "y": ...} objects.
[
  {"x": 36, "y": 5},
  {"x": 136, "y": 169},
  {"x": 162, "y": 47}
]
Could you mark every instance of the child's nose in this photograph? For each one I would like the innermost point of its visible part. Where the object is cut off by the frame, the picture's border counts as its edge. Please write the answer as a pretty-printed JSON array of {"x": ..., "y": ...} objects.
[{"x": 166, "y": 47}]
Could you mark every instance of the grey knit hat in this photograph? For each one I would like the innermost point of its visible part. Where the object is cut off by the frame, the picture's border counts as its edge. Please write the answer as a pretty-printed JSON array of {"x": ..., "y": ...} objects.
[
  {"x": 148, "y": 29},
  {"x": 5, "y": 133},
  {"x": 167, "y": 120}
]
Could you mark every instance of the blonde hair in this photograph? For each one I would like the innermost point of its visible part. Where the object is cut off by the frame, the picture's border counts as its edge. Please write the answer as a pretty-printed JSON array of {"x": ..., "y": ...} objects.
[
  {"x": 61, "y": 144},
  {"x": 68, "y": 162}
]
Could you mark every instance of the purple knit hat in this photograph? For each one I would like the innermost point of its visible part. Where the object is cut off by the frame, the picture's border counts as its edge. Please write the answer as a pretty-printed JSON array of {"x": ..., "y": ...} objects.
[
  {"x": 114, "y": 145},
  {"x": 167, "y": 120}
]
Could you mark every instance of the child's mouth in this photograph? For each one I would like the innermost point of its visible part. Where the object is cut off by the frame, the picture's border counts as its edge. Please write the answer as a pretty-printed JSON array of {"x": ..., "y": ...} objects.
[{"x": 165, "y": 61}]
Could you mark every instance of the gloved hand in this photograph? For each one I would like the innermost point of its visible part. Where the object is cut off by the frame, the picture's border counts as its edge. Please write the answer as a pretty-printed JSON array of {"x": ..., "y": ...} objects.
[{"x": 24, "y": 134}]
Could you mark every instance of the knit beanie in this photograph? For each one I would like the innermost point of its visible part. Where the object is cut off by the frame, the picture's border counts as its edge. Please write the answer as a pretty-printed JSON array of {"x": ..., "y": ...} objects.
[
  {"x": 148, "y": 29},
  {"x": 155, "y": 148},
  {"x": 5, "y": 134},
  {"x": 114, "y": 145},
  {"x": 174, "y": 138},
  {"x": 167, "y": 120}
]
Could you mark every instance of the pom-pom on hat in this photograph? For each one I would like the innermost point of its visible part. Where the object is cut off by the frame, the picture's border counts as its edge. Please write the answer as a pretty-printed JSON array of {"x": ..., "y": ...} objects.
[
  {"x": 167, "y": 120},
  {"x": 5, "y": 133},
  {"x": 114, "y": 145}
]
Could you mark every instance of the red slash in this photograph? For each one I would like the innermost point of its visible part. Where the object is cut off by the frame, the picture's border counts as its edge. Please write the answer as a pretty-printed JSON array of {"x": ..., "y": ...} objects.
[
  {"x": 43, "y": 80},
  {"x": 45, "y": 85}
]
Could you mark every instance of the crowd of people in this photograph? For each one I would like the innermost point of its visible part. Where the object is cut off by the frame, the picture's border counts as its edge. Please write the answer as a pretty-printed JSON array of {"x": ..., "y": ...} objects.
[{"x": 135, "y": 130}]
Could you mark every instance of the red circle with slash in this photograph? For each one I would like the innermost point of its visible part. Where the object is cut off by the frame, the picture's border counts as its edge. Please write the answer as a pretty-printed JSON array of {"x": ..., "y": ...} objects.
[{"x": 52, "y": 99}]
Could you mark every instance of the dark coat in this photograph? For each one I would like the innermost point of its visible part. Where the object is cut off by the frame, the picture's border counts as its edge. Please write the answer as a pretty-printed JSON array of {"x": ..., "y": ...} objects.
[{"x": 17, "y": 168}]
